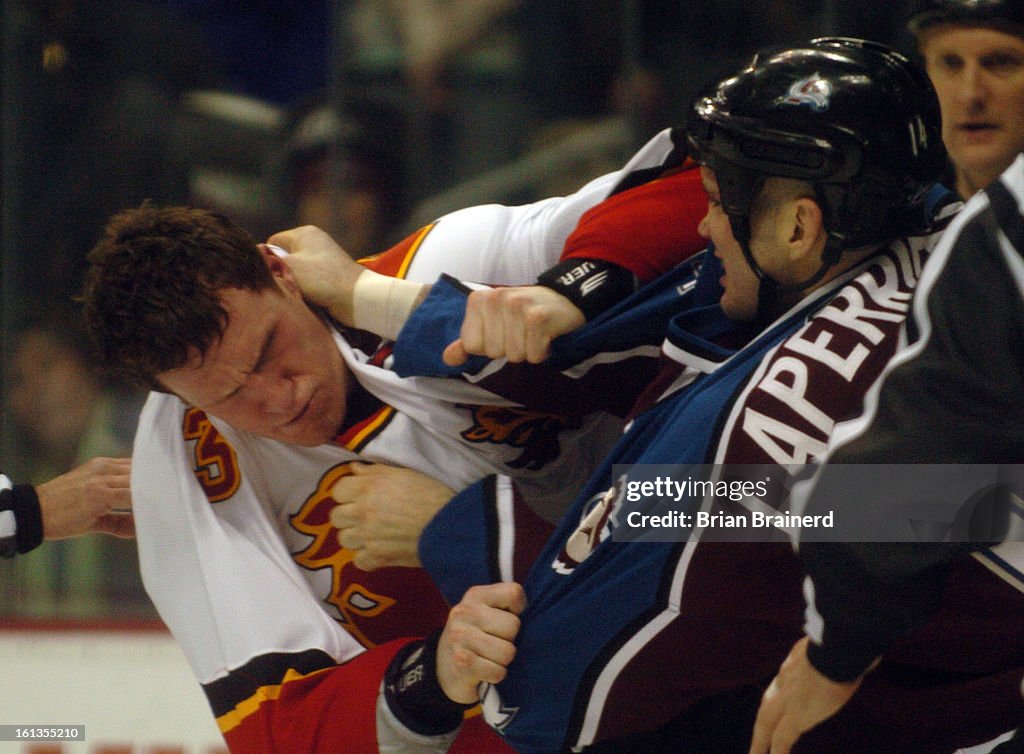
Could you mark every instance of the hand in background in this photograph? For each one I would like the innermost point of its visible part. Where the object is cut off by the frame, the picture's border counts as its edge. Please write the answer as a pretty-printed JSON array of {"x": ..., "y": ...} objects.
[
  {"x": 798, "y": 699},
  {"x": 94, "y": 497}
]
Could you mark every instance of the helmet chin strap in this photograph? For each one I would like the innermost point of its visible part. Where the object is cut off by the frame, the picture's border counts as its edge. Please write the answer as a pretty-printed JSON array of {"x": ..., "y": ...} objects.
[
  {"x": 770, "y": 292},
  {"x": 768, "y": 307}
]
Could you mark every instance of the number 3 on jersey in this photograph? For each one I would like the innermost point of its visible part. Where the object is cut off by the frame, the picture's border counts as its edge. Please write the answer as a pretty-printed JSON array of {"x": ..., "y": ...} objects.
[{"x": 215, "y": 463}]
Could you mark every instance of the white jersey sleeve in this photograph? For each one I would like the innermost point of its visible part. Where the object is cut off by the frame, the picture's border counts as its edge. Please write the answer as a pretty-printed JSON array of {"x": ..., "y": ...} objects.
[{"x": 503, "y": 245}]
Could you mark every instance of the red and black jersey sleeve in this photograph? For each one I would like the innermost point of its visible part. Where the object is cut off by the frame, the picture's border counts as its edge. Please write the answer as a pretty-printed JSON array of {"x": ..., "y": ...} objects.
[
  {"x": 647, "y": 229},
  {"x": 329, "y": 710}
]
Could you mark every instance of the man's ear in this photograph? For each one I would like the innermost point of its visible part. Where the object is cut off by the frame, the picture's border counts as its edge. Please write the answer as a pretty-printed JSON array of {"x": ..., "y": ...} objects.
[
  {"x": 805, "y": 229},
  {"x": 278, "y": 267}
]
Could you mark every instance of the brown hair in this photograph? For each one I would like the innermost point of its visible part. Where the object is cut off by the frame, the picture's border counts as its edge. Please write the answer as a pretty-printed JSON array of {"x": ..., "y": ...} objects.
[{"x": 151, "y": 293}]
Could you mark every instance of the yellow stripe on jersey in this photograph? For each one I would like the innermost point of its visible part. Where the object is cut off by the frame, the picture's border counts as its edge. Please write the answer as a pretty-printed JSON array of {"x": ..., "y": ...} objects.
[
  {"x": 367, "y": 433},
  {"x": 231, "y": 720},
  {"x": 397, "y": 260},
  {"x": 404, "y": 269}
]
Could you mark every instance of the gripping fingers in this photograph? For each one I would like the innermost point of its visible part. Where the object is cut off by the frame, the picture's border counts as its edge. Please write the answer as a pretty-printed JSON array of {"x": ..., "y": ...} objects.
[
  {"x": 494, "y": 322},
  {"x": 477, "y": 642},
  {"x": 480, "y": 666},
  {"x": 345, "y": 516},
  {"x": 493, "y": 621},
  {"x": 455, "y": 354},
  {"x": 482, "y": 642},
  {"x": 117, "y": 524},
  {"x": 513, "y": 323},
  {"x": 472, "y": 333},
  {"x": 350, "y": 540},
  {"x": 514, "y": 310},
  {"x": 538, "y": 338}
]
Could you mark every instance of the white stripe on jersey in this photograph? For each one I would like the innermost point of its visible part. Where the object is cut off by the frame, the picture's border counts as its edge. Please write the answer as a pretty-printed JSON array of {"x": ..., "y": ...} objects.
[{"x": 506, "y": 527}]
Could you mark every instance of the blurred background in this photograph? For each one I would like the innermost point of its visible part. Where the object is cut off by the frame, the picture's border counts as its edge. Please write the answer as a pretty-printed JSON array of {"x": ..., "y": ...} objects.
[{"x": 366, "y": 117}]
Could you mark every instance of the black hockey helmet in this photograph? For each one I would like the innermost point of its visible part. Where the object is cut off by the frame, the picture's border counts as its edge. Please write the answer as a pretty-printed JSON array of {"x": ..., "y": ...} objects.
[
  {"x": 855, "y": 119},
  {"x": 996, "y": 13}
]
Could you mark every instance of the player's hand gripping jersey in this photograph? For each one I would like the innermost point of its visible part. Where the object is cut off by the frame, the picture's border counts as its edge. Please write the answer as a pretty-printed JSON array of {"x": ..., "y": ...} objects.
[
  {"x": 237, "y": 549},
  {"x": 602, "y": 692},
  {"x": 623, "y": 637}
]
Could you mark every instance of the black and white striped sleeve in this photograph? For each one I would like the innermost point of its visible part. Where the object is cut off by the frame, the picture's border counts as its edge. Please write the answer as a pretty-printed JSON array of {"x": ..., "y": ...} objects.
[{"x": 21, "y": 519}]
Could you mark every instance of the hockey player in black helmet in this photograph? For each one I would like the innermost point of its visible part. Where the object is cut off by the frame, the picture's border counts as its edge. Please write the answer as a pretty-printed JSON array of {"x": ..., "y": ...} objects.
[
  {"x": 847, "y": 131},
  {"x": 974, "y": 53},
  {"x": 820, "y": 160}
]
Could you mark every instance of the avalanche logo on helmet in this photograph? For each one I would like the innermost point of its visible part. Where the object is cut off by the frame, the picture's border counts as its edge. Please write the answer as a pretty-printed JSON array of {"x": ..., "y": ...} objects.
[{"x": 813, "y": 91}]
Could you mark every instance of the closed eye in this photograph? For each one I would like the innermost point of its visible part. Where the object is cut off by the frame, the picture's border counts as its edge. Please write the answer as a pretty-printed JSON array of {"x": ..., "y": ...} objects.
[{"x": 266, "y": 349}]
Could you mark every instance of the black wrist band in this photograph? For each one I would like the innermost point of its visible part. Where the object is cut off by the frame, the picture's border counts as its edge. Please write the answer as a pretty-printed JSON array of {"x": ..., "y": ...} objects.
[
  {"x": 28, "y": 517},
  {"x": 414, "y": 695},
  {"x": 593, "y": 285},
  {"x": 22, "y": 501},
  {"x": 8, "y": 535}
]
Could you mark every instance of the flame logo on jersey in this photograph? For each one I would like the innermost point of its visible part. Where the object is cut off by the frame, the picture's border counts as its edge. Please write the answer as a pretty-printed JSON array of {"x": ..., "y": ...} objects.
[
  {"x": 354, "y": 601},
  {"x": 536, "y": 433},
  {"x": 813, "y": 91},
  {"x": 214, "y": 461}
]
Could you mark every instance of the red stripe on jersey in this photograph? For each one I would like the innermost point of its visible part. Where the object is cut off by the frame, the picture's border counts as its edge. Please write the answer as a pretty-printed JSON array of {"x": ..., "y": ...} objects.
[
  {"x": 366, "y": 416},
  {"x": 396, "y": 260},
  {"x": 356, "y": 437},
  {"x": 648, "y": 229}
]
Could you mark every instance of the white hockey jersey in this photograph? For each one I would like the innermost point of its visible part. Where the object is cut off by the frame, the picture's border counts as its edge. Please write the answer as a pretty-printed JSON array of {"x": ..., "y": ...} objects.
[{"x": 236, "y": 547}]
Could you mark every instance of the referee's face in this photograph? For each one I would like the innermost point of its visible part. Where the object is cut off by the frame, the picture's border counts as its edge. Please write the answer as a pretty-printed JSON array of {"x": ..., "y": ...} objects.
[
  {"x": 276, "y": 372},
  {"x": 978, "y": 73}
]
